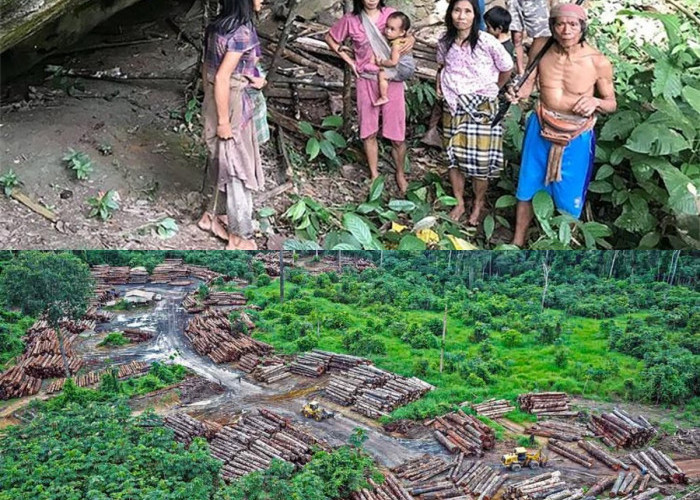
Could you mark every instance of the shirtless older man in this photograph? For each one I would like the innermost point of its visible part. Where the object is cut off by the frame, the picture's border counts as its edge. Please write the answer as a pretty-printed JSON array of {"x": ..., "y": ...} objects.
[{"x": 559, "y": 145}]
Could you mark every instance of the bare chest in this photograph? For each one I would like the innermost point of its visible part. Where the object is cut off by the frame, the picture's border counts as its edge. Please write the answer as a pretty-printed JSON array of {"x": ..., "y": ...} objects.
[{"x": 574, "y": 75}]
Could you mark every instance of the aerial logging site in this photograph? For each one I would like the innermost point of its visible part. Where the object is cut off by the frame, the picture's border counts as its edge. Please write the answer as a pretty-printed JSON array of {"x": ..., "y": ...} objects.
[{"x": 356, "y": 375}]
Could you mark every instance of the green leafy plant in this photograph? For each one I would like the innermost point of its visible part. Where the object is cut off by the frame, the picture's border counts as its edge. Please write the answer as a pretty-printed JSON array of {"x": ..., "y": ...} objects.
[
  {"x": 114, "y": 339},
  {"x": 9, "y": 182},
  {"x": 166, "y": 228},
  {"x": 420, "y": 99},
  {"x": 327, "y": 141},
  {"x": 307, "y": 215},
  {"x": 104, "y": 204},
  {"x": 79, "y": 162}
]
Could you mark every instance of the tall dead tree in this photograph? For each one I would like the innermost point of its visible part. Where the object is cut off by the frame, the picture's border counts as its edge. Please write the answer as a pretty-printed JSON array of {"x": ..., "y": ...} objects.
[
  {"x": 546, "y": 268},
  {"x": 442, "y": 345},
  {"x": 281, "y": 277},
  {"x": 674, "y": 266},
  {"x": 612, "y": 264}
]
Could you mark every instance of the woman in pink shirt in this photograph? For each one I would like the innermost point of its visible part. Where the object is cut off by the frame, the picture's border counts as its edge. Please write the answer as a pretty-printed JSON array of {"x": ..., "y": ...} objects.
[
  {"x": 473, "y": 65},
  {"x": 394, "y": 112}
]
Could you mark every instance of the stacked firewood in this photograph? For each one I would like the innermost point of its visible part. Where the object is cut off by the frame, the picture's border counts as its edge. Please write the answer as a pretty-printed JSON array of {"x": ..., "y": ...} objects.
[
  {"x": 252, "y": 443},
  {"x": 546, "y": 404},
  {"x": 602, "y": 455},
  {"x": 396, "y": 392},
  {"x": 185, "y": 427},
  {"x": 344, "y": 387},
  {"x": 16, "y": 383},
  {"x": 563, "y": 431},
  {"x": 211, "y": 335},
  {"x": 618, "y": 428},
  {"x": 560, "y": 448},
  {"x": 658, "y": 465},
  {"x": 390, "y": 489},
  {"x": 270, "y": 371},
  {"x": 225, "y": 299},
  {"x": 458, "y": 431},
  {"x": 493, "y": 408},
  {"x": 311, "y": 364},
  {"x": 538, "y": 487},
  {"x": 135, "y": 335},
  {"x": 479, "y": 479}
]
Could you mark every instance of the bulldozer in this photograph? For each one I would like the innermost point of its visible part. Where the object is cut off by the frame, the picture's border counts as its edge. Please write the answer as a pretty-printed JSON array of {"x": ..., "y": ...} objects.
[
  {"x": 313, "y": 410},
  {"x": 522, "y": 457}
]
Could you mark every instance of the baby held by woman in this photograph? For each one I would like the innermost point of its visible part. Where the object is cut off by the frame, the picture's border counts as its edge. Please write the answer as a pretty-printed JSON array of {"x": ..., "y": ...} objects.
[{"x": 396, "y": 68}]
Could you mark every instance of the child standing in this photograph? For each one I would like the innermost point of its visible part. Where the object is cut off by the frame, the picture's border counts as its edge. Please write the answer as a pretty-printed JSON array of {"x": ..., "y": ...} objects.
[
  {"x": 397, "y": 26},
  {"x": 498, "y": 22}
]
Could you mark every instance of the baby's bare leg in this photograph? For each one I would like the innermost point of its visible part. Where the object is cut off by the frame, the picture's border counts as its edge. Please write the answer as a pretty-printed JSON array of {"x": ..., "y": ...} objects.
[{"x": 383, "y": 82}]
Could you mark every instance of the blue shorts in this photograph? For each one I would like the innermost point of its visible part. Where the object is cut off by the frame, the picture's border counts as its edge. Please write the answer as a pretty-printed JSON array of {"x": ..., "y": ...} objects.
[{"x": 576, "y": 168}]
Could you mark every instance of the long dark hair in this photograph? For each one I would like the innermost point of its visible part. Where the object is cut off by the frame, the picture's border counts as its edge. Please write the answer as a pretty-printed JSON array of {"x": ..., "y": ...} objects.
[
  {"x": 232, "y": 15},
  {"x": 359, "y": 5},
  {"x": 449, "y": 38}
]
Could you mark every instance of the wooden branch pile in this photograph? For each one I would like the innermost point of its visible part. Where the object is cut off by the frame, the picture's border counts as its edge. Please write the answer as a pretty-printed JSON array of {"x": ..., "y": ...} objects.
[
  {"x": 252, "y": 443},
  {"x": 311, "y": 364},
  {"x": 135, "y": 335},
  {"x": 621, "y": 429},
  {"x": 185, "y": 427},
  {"x": 602, "y": 456},
  {"x": 225, "y": 299},
  {"x": 211, "y": 335},
  {"x": 458, "y": 431},
  {"x": 659, "y": 466},
  {"x": 557, "y": 429},
  {"x": 538, "y": 487},
  {"x": 560, "y": 448},
  {"x": 16, "y": 383},
  {"x": 271, "y": 261},
  {"x": 493, "y": 408},
  {"x": 546, "y": 404},
  {"x": 479, "y": 479},
  {"x": 398, "y": 391},
  {"x": 390, "y": 489}
]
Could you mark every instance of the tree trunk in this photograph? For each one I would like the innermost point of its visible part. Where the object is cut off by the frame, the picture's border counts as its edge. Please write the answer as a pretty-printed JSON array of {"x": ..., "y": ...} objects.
[
  {"x": 546, "y": 267},
  {"x": 281, "y": 277},
  {"x": 340, "y": 265},
  {"x": 442, "y": 346},
  {"x": 62, "y": 348},
  {"x": 612, "y": 264},
  {"x": 282, "y": 42}
]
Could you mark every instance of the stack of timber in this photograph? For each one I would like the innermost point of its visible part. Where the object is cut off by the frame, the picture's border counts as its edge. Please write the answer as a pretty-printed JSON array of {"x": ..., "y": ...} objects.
[
  {"x": 343, "y": 362},
  {"x": 458, "y": 431},
  {"x": 225, "y": 299},
  {"x": 479, "y": 479},
  {"x": 602, "y": 456},
  {"x": 398, "y": 391},
  {"x": 135, "y": 335},
  {"x": 422, "y": 469},
  {"x": 271, "y": 261},
  {"x": 248, "y": 362},
  {"x": 658, "y": 465},
  {"x": 493, "y": 408},
  {"x": 42, "y": 356},
  {"x": 557, "y": 429},
  {"x": 621, "y": 429},
  {"x": 68, "y": 325},
  {"x": 192, "y": 303},
  {"x": 599, "y": 487},
  {"x": 272, "y": 370},
  {"x": 311, "y": 364},
  {"x": 97, "y": 316},
  {"x": 390, "y": 489},
  {"x": 202, "y": 273},
  {"x": 628, "y": 485},
  {"x": 185, "y": 427},
  {"x": 546, "y": 404},
  {"x": 560, "y": 448},
  {"x": 138, "y": 275},
  {"x": 16, "y": 383},
  {"x": 538, "y": 487},
  {"x": 169, "y": 270},
  {"x": 251, "y": 443},
  {"x": 101, "y": 294},
  {"x": 344, "y": 388},
  {"x": 211, "y": 335},
  {"x": 133, "y": 369},
  {"x": 109, "y": 275}
]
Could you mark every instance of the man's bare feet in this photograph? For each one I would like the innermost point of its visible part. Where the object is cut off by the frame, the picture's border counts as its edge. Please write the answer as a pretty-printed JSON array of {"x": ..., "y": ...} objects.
[
  {"x": 476, "y": 214},
  {"x": 235, "y": 242},
  {"x": 218, "y": 230},
  {"x": 401, "y": 182},
  {"x": 205, "y": 222},
  {"x": 381, "y": 101},
  {"x": 457, "y": 212}
]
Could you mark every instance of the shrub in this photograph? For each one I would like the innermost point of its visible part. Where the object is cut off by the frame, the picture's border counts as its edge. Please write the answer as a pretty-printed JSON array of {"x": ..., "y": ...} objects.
[
  {"x": 114, "y": 339},
  {"x": 263, "y": 280}
]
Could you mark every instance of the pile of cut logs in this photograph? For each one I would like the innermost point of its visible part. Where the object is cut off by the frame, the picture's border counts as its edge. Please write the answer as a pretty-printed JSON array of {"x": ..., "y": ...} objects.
[
  {"x": 270, "y": 371},
  {"x": 390, "y": 489},
  {"x": 248, "y": 362},
  {"x": 398, "y": 391},
  {"x": 602, "y": 455},
  {"x": 563, "y": 431},
  {"x": 225, "y": 299},
  {"x": 202, "y": 273},
  {"x": 132, "y": 369},
  {"x": 192, "y": 304},
  {"x": 621, "y": 429},
  {"x": 211, "y": 335},
  {"x": 546, "y": 404},
  {"x": 271, "y": 261},
  {"x": 626, "y": 484},
  {"x": 345, "y": 387},
  {"x": 16, "y": 383},
  {"x": 135, "y": 335},
  {"x": 493, "y": 408},
  {"x": 658, "y": 465},
  {"x": 560, "y": 448},
  {"x": 138, "y": 275},
  {"x": 251, "y": 443},
  {"x": 98, "y": 316},
  {"x": 42, "y": 355},
  {"x": 458, "y": 431},
  {"x": 540, "y": 487},
  {"x": 479, "y": 479},
  {"x": 185, "y": 427},
  {"x": 311, "y": 364},
  {"x": 110, "y": 275},
  {"x": 169, "y": 270}
]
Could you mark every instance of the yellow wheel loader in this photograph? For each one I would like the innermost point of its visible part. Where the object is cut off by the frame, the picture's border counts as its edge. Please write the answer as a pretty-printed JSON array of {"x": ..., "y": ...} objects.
[
  {"x": 313, "y": 410},
  {"x": 522, "y": 457}
]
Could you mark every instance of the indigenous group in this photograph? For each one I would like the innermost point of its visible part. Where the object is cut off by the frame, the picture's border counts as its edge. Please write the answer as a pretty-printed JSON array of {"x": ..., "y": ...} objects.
[{"x": 575, "y": 82}]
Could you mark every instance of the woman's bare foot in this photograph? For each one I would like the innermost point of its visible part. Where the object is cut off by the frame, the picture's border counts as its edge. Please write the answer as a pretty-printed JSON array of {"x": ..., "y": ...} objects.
[
  {"x": 218, "y": 230},
  {"x": 476, "y": 214},
  {"x": 401, "y": 182},
  {"x": 381, "y": 101},
  {"x": 457, "y": 212},
  {"x": 235, "y": 242},
  {"x": 205, "y": 222}
]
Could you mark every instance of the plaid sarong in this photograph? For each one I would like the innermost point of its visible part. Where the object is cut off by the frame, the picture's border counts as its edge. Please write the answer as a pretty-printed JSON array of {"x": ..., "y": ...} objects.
[
  {"x": 470, "y": 142},
  {"x": 262, "y": 129}
]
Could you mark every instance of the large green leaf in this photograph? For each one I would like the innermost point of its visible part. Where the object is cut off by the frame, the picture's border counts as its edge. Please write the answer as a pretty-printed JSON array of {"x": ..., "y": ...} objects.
[
  {"x": 635, "y": 221},
  {"x": 402, "y": 205},
  {"x": 376, "y": 189},
  {"x": 649, "y": 241},
  {"x": 692, "y": 97},
  {"x": 327, "y": 149},
  {"x": 358, "y": 228},
  {"x": 333, "y": 121},
  {"x": 505, "y": 201},
  {"x": 489, "y": 226},
  {"x": 313, "y": 148},
  {"x": 656, "y": 140},
  {"x": 671, "y": 23},
  {"x": 335, "y": 138},
  {"x": 411, "y": 242},
  {"x": 543, "y": 205},
  {"x": 667, "y": 79},
  {"x": 345, "y": 246},
  {"x": 620, "y": 125},
  {"x": 670, "y": 115},
  {"x": 680, "y": 189},
  {"x": 306, "y": 128}
]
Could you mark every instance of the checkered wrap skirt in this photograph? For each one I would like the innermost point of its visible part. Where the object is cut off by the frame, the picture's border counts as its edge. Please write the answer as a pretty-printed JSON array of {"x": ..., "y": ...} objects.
[{"x": 470, "y": 142}]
